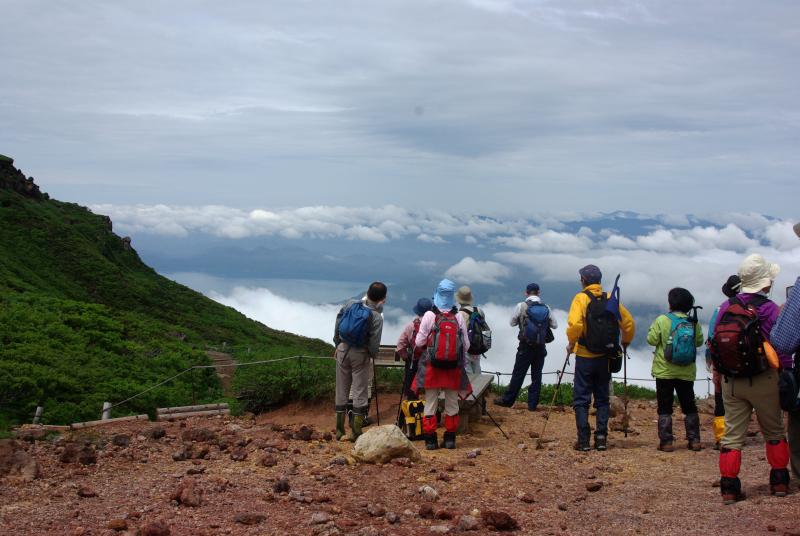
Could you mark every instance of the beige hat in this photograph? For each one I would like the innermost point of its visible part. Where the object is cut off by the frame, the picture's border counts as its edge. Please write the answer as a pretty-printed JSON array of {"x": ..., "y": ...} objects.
[
  {"x": 797, "y": 229},
  {"x": 464, "y": 296},
  {"x": 757, "y": 274}
]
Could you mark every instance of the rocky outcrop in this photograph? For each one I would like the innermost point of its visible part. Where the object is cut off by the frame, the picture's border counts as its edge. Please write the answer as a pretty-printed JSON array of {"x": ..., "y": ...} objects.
[
  {"x": 13, "y": 179},
  {"x": 16, "y": 463}
]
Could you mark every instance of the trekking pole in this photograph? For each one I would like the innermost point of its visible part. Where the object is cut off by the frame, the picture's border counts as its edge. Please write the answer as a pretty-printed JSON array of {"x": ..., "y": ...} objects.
[
  {"x": 403, "y": 392},
  {"x": 375, "y": 387},
  {"x": 553, "y": 401},
  {"x": 625, "y": 386},
  {"x": 490, "y": 416}
]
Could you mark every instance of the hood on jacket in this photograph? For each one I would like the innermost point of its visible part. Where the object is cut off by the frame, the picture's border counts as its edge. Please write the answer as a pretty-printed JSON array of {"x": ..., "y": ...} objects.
[{"x": 444, "y": 297}]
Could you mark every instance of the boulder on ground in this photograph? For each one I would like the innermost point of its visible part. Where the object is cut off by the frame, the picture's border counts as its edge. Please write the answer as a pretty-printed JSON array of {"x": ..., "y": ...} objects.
[
  {"x": 16, "y": 463},
  {"x": 384, "y": 443}
]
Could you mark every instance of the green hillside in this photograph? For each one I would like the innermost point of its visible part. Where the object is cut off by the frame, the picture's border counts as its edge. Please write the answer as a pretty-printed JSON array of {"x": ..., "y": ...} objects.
[{"x": 84, "y": 320}]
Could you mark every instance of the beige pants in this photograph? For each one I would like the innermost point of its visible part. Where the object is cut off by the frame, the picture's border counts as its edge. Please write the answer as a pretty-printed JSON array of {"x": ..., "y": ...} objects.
[
  {"x": 741, "y": 397},
  {"x": 432, "y": 401},
  {"x": 352, "y": 376}
]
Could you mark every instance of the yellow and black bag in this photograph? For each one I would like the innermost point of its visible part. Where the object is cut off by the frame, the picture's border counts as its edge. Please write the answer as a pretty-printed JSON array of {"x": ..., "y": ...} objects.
[{"x": 412, "y": 411}]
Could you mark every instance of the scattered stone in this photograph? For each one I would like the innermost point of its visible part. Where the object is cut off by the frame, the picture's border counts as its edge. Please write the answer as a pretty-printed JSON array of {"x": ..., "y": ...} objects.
[
  {"x": 533, "y": 435},
  {"x": 444, "y": 477},
  {"x": 474, "y": 453},
  {"x": 320, "y": 518},
  {"x": 156, "y": 432},
  {"x": 562, "y": 507},
  {"x": 439, "y": 529},
  {"x": 86, "y": 492},
  {"x": 117, "y": 524},
  {"x": 392, "y": 518},
  {"x": 384, "y": 443},
  {"x": 522, "y": 446},
  {"x": 249, "y": 519},
  {"x": 428, "y": 493},
  {"x": 772, "y": 528},
  {"x": 402, "y": 462},
  {"x": 16, "y": 463},
  {"x": 467, "y": 523},
  {"x": 201, "y": 435},
  {"x": 369, "y": 531},
  {"x": 327, "y": 436},
  {"x": 426, "y": 511},
  {"x": 197, "y": 451},
  {"x": 281, "y": 485},
  {"x": 526, "y": 498},
  {"x": 188, "y": 494},
  {"x": 121, "y": 440},
  {"x": 179, "y": 455},
  {"x": 87, "y": 455},
  {"x": 196, "y": 471},
  {"x": 594, "y": 486},
  {"x": 239, "y": 455},
  {"x": 268, "y": 460},
  {"x": 156, "y": 528},
  {"x": 376, "y": 510},
  {"x": 339, "y": 460},
  {"x": 445, "y": 514},
  {"x": 499, "y": 520},
  {"x": 304, "y": 433}
]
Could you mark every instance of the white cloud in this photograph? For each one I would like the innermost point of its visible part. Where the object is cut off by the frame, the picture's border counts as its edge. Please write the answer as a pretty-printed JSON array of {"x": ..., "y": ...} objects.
[
  {"x": 781, "y": 235},
  {"x": 468, "y": 270},
  {"x": 431, "y": 239}
]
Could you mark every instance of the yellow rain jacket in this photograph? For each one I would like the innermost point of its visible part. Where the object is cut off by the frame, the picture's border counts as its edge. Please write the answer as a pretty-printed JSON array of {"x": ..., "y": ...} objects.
[{"x": 576, "y": 321}]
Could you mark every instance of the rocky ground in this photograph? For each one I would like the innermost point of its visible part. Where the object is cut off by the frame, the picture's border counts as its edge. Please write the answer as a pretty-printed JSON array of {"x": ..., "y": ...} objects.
[{"x": 281, "y": 473}]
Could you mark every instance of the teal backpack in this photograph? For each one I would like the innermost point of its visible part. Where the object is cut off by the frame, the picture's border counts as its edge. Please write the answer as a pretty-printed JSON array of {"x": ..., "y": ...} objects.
[{"x": 680, "y": 347}]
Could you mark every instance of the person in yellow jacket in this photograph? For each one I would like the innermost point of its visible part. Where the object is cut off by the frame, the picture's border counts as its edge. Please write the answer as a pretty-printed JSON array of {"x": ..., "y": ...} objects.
[{"x": 593, "y": 338}]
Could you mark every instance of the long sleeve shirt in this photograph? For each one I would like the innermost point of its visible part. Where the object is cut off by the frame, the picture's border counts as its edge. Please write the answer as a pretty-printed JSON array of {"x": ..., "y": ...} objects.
[
  {"x": 374, "y": 329},
  {"x": 785, "y": 334},
  {"x": 406, "y": 341},
  {"x": 576, "y": 321},
  {"x": 657, "y": 336}
]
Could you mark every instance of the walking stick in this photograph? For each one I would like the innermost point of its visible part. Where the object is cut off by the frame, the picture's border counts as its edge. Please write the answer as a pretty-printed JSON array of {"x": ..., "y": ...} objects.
[
  {"x": 375, "y": 386},
  {"x": 539, "y": 442},
  {"x": 490, "y": 416},
  {"x": 403, "y": 392},
  {"x": 625, "y": 384}
]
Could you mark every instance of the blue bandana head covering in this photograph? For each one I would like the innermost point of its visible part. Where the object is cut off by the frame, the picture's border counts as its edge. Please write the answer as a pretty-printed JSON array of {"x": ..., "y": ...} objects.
[{"x": 444, "y": 297}]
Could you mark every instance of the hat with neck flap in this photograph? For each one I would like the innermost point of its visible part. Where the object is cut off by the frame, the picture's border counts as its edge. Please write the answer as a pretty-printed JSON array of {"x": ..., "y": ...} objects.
[
  {"x": 444, "y": 297},
  {"x": 756, "y": 273}
]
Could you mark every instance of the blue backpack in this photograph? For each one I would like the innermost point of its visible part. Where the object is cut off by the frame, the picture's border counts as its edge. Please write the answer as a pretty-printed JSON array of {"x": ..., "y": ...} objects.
[
  {"x": 537, "y": 324},
  {"x": 680, "y": 347},
  {"x": 353, "y": 325}
]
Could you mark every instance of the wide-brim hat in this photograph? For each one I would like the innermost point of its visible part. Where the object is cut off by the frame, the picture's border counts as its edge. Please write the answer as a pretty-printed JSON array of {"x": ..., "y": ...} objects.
[
  {"x": 423, "y": 306},
  {"x": 757, "y": 274},
  {"x": 464, "y": 296}
]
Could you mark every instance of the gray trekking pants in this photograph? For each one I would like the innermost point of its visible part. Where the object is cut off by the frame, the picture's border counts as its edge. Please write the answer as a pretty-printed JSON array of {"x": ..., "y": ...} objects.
[{"x": 352, "y": 375}]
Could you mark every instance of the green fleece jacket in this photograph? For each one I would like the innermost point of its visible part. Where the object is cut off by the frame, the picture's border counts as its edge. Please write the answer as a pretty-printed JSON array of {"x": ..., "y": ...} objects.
[{"x": 657, "y": 336}]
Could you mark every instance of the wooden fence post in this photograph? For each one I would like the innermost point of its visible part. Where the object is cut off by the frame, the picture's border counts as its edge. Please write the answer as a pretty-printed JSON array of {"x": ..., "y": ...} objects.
[
  {"x": 106, "y": 411},
  {"x": 38, "y": 415}
]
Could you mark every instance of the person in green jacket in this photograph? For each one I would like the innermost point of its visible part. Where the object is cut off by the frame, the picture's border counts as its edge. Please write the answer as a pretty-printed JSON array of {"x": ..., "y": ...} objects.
[{"x": 676, "y": 337}]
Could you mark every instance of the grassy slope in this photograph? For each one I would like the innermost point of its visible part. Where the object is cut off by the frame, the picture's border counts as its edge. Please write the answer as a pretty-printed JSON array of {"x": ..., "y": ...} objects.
[{"x": 83, "y": 320}]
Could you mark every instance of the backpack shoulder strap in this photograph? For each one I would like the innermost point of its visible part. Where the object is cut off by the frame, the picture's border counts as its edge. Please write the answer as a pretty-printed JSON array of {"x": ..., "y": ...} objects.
[
  {"x": 758, "y": 300},
  {"x": 591, "y": 296}
]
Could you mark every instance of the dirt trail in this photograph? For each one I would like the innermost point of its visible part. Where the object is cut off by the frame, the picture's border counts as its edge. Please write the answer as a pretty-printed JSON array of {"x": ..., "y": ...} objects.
[
  {"x": 546, "y": 491},
  {"x": 223, "y": 364}
]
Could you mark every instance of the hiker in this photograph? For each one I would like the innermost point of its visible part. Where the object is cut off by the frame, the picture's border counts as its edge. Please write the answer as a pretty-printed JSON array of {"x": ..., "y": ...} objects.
[
  {"x": 535, "y": 321},
  {"x": 750, "y": 383},
  {"x": 676, "y": 337},
  {"x": 357, "y": 337},
  {"x": 593, "y": 334},
  {"x": 729, "y": 289},
  {"x": 785, "y": 338},
  {"x": 406, "y": 344},
  {"x": 477, "y": 328},
  {"x": 443, "y": 343}
]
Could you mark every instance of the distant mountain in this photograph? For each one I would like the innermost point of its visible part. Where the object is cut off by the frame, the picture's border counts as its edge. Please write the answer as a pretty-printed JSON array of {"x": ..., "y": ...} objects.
[{"x": 84, "y": 320}]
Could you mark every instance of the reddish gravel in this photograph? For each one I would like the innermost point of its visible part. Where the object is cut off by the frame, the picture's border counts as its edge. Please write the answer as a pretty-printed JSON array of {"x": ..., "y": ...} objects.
[{"x": 140, "y": 489}]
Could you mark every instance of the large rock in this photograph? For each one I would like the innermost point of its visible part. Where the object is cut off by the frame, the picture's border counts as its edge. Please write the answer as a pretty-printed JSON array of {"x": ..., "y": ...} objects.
[
  {"x": 381, "y": 444},
  {"x": 616, "y": 407},
  {"x": 16, "y": 463}
]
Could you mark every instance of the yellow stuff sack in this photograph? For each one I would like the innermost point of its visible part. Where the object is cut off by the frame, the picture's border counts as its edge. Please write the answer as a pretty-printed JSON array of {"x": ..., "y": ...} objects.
[{"x": 412, "y": 411}]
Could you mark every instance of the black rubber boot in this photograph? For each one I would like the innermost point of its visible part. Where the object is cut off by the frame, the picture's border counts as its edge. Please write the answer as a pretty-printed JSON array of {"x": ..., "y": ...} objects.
[
  {"x": 600, "y": 442},
  {"x": 665, "y": 437},
  {"x": 449, "y": 440},
  {"x": 692, "y": 423},
  {"x": 779, "y": 482},
  {"x": 431, "y": 441},
  {"x": 582, "y": 424},
  {"x": 339, "y": 425}
]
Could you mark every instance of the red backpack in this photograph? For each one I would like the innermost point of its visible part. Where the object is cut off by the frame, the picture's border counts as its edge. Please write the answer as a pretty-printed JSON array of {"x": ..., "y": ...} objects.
[
  {"x": 737, "y": 347},
  {"x": 445, "y": 345}
]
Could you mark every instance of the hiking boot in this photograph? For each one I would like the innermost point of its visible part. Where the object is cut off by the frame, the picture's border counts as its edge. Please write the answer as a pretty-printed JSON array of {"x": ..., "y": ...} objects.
[
  {"x": 779, "y": 482},
  {"x": 665, "y": 429},
  {"x": 695, "y": 446},
  {"x": 355, "y": 431},
  {"x": 582, "y": 446},
  {"x": 339, "y": 425},
  {"x": 431, "y": 441},
  {"x": 600, "y": 443},
  {"x": 666, "y": 446},
  {"x": 731, "y": 489},
  {"x": 502, "y": 403},
  {"x": 449, "y": 440}
]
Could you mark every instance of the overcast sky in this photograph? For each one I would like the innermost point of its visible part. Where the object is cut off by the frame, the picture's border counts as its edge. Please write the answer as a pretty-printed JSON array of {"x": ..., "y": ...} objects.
[{"x": 479, "y": 105}]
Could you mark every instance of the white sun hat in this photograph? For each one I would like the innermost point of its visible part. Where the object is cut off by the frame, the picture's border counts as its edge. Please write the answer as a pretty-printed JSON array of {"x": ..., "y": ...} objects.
[{"x": 757, "y": 274}]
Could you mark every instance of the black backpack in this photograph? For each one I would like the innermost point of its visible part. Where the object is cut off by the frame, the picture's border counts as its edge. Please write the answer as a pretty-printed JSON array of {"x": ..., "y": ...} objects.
[
  {"x": 478, "y": 330},
  {"x": 602, "y": 327}
]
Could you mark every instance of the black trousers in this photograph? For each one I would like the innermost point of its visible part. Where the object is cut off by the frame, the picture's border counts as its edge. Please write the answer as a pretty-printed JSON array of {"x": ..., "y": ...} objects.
[{"x": 665, "y": 392}]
